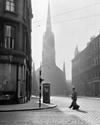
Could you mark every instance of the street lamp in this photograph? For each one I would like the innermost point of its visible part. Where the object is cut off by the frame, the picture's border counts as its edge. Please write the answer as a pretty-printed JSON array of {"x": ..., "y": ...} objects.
[{"x": 40, "y": 81}]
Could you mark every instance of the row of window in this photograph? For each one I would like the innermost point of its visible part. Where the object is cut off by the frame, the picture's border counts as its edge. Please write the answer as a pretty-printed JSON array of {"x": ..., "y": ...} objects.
[
  {"x": 94, "y": 46},
  {"x": 83, "y": 66},
  {"x": 95, "y": 75},
  {"x": 96, "y": 43},
  {"x": 95, "y": 60},
  {"x": 9, "y": 30}
]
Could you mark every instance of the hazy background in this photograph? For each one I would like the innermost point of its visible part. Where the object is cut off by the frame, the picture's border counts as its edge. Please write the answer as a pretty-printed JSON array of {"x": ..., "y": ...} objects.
[{"x": 74, "y": 22}]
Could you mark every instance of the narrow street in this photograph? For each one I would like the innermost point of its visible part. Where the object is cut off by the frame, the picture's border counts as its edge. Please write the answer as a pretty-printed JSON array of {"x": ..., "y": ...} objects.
[{"x": 89, "y": 114}]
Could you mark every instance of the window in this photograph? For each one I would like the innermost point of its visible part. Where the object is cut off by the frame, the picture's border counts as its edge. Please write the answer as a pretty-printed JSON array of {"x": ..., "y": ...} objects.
[
  {"x": 10, "y": 5},
  {"x": 9, "y": 36}
]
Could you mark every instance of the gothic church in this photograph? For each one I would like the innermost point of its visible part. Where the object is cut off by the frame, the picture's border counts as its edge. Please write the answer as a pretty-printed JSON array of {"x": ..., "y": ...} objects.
[{"x": 50, "y": 71}]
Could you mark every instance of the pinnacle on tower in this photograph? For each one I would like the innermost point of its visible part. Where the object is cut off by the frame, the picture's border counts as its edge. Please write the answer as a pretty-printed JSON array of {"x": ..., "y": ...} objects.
[
  {"x": 64, "y": 69},
  {"x": 76, "y": 51},
  {"x": 48, "y": 26}
]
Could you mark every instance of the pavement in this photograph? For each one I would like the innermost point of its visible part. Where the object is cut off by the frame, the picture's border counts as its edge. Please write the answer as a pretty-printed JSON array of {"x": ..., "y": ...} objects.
[
  {"x": 89, "y": 110},
  {"x": 88, "y": 114},
  {"x": 33, "y": 104}
]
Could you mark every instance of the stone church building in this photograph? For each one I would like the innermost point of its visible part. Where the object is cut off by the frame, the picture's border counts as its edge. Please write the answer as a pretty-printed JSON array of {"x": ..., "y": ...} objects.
[{"x": 51, "y": 73}]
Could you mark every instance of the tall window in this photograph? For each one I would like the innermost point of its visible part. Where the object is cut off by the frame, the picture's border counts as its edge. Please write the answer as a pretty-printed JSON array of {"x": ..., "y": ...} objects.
[
  {"x": 9, "y": 36},
  {"x": 10, "y": 5}
]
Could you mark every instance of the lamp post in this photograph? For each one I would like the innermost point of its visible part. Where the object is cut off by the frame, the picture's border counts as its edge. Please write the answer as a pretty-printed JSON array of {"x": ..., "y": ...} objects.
[{"x": 40, "y": 81}]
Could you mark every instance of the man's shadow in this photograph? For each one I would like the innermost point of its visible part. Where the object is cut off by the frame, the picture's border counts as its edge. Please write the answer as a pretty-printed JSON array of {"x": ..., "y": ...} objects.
[{"x": 79, "y": 110}]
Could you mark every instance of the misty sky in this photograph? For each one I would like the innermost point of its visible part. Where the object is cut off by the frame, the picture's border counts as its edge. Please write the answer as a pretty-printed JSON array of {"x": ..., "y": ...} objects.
[{"x": 74, "y": 22}]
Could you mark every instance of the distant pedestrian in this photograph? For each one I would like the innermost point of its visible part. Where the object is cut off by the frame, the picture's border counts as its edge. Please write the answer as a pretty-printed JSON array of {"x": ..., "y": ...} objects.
[{"x": 74, "y": 100}]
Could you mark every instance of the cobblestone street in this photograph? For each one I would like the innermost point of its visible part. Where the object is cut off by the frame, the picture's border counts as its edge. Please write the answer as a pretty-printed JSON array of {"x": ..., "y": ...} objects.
[
  {"x": 89, "y": 109},
  {"x": 89, "y": 114},
  {"x": 43, "y": 117}
]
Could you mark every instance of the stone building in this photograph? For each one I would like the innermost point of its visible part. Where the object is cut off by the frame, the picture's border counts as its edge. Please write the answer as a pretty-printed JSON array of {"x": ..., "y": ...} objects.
[
  {"x": 15, "y": 51},
  {"x": 51, "y": 73},
  {"x": 86, "y": 69}
]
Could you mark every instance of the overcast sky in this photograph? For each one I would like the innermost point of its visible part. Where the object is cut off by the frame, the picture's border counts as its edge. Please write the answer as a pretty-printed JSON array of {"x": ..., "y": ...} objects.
[{"x": 74, "y": 22}]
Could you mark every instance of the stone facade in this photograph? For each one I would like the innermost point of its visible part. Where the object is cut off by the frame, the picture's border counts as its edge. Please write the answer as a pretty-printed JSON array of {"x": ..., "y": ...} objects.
[
  {"x": 15, "y": 51},
  {"x": 86, "y": 69}
]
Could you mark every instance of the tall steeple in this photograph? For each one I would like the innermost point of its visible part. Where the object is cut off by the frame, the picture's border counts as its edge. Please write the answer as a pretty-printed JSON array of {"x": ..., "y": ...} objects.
[
  {"x": 51, "y": 72},
  {"x": 48, "y": 25},
  {"x": 48, "y": 53}
]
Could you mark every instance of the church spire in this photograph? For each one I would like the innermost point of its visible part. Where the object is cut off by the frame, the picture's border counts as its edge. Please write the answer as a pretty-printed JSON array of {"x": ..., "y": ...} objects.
[
  {"x": 48, "y": 54},
  {"x": 48, "y": 26}
]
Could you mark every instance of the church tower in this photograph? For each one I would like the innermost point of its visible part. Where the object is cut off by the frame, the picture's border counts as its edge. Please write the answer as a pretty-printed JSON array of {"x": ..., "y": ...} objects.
[
  {"x": 48, "y": 53},
  {"x": 51, "y": 73}
]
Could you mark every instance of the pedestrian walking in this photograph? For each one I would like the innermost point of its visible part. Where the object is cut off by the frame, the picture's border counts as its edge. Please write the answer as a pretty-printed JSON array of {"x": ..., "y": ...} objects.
[{"x": 74, "y": 100}]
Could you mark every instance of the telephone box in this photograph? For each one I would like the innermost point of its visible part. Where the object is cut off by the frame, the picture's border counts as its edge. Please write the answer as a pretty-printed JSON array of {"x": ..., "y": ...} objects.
[{"x": 46, "y": 92}]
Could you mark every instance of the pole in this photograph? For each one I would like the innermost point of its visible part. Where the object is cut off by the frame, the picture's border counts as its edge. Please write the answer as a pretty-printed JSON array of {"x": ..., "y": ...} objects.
[
  {"x": 40, "y": 81},
  {"x": 40, "y": 87}
]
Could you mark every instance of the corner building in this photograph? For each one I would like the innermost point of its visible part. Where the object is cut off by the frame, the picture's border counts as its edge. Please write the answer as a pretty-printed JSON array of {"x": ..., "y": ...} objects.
[
  {"x": 86, "y": 69},
  {"x": 15, "y": 51}
]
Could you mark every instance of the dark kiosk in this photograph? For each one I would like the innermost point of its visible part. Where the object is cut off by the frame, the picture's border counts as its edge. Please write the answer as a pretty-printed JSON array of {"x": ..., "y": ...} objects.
[{"x": 46, "y": 92}]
